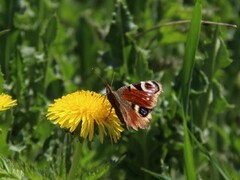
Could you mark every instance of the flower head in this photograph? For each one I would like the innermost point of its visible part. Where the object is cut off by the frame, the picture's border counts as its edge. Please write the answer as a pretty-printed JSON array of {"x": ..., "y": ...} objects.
[
  {"x": 87, "y": 110},
  {"x": 6, "y": 102}
]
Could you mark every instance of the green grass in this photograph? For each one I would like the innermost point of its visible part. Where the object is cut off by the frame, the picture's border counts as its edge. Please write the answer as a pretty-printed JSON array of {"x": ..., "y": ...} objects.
[
  {"x": 187, "y": 71},
  {"x": 49, "y": 48}
]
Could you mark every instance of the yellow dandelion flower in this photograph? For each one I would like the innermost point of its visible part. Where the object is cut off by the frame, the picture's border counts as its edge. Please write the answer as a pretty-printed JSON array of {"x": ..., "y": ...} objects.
[
  {"x": 87, "y": 110},
  {"x": 6, "y": 102}
]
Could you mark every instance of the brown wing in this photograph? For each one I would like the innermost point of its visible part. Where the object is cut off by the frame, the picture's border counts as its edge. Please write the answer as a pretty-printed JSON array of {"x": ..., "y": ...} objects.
[
  {"x": 135, "y": 119},
  {"x": 114, "y": 99},
  {"x": 133, "y": 103},
  {"x": 143, "y": 94},
  {"x": 130, "y": 114}
]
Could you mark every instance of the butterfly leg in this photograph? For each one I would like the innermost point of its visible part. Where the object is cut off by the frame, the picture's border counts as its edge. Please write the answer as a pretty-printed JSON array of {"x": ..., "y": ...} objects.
[{"x": 109, "y": 113}]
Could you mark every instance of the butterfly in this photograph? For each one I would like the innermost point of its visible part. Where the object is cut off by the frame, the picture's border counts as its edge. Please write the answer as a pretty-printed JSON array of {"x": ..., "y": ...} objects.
[{"x": 133, "y": 103}]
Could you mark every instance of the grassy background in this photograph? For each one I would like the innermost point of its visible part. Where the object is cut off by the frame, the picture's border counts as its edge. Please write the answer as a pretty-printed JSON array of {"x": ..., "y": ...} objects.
[{"x": 48, "y": 49}]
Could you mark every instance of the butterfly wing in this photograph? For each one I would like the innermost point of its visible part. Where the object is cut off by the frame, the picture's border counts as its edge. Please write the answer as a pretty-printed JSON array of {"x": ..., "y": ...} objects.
[
  {"x": 144, "y": 94},
  {"x": 115, "y": 101},
  {"x": 133, "y": 103},
  {"x": 137, "y": 117}
]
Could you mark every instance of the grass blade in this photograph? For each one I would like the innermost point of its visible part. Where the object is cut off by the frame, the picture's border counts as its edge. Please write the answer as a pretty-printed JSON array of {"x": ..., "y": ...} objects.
[
  {"x": 188, "y": 64},
  {"x": 189, "y": 57}
]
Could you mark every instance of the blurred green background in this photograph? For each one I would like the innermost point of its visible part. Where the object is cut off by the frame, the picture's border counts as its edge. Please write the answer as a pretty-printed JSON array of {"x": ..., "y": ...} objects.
[{"x": 48, "y": 49}]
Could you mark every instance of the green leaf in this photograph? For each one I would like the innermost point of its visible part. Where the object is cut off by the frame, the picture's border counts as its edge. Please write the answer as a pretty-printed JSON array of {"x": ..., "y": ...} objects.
[
  {"x": 200, "y": 84},
  {"x": 27, "y": 19},
  {"x": 218, "y": 58},
  {"x": 98, "y": 172},
  {"x": 188, "y": 154},
  {"x": 188, "y": 64},
  {"x": 122, "y": 23},
  {"x": 50, "y": 32},
  {"x": 218, "y": 55},
  {"x": 189, "y": 56},
  {"x": 210, "y": 157},
  {"x": 8, "y": 171},
  {"x": 4, "y": 32},
  {"x": 157, "y": 175},
  {"x": 86, "y": 34},
  {"x": 138, "y": 64},
  {"x": 1, "y": 81},
  {"x": 222, "y": 58},
  {"x": 170, "y": 36},
  {"x": 219, "y": 104}
]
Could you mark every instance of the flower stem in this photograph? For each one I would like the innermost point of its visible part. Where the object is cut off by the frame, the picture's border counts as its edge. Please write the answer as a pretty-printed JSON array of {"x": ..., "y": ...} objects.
[{"x": 75, "y": 161}]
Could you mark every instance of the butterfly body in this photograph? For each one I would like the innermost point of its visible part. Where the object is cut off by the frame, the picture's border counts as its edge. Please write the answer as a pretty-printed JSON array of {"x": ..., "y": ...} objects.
[{"x": 133, "y": 103}]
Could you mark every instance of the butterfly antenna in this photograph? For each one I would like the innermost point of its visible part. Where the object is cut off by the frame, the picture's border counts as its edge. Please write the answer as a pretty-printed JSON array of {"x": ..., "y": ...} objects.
[
  {"x": 97, "y": 74},
  {"x": 103, "y": 81},
  {"x": 112, "y": 78}
]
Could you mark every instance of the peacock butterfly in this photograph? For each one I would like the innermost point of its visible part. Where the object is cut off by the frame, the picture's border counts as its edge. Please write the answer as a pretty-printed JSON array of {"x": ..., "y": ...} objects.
[{"x": 133, "y": 103}]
